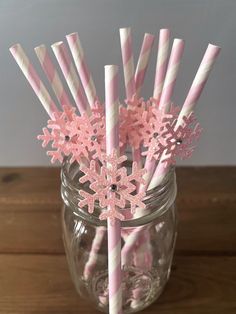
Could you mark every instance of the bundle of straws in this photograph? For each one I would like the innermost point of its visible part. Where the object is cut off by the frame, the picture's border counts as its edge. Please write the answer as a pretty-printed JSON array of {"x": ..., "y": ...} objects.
[{"x": 98, "y": 136}]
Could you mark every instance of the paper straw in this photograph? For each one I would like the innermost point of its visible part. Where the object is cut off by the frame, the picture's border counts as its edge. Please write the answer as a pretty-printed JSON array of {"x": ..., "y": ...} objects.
[
  {"x": 52, "y": 75},
  {"x": 200, "y": 80},
  {"x": 139, "y": 78},
  {"x": 143, "y": 59},
  {"x": 128, "y": 65},
  {"x": 128, "y": 68},
  {"x": 167, "y": 92},
  {"x": 93, "y": 254},
  {"x": 33, "y": 78},
  {"x": 161, "y": 64},
  {"x": 194, "y": 93},
  {"x": 84, "y": 73},
  {"x": 128, "y": 61},
  {"x": 71, "y": 77},
  {"x": 171, "y": 74},
  {"x": 113, "y": 228},
  {"x": 140, "y": 72}
]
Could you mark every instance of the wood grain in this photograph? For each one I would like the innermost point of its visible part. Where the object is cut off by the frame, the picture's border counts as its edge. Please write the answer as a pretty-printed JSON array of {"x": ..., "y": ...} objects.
[
  {"x": 29, "y": 197},
  {"x": 41, "y": 284},
  {"x": 34, "y": 277}
]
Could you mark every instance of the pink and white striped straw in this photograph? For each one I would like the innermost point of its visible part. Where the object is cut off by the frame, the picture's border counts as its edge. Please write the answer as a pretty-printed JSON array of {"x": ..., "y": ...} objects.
[
  {"x": 139, "y": 78},
  {"x": 140, "y": 72},
  {"x": 113, "y": 228},
  {"x": 167, "y": 92},
  {"x": 52, "y": 75},
  {"x": 170, "y": 79},
  {"x": 128, "y": 68},
  {"x": 93, "y": 254},
  {"x": 171, "y": 74},
  {"x": 161, "y": 64},
  {"x": 194, "y": 93},
  {"x": 82, "y": 68},
  {"x": 128, "y": 61},
  {"x": 143, "y": 59},
  {"x": 71, "y": 77},
  {"x": 33, "y": 78}
]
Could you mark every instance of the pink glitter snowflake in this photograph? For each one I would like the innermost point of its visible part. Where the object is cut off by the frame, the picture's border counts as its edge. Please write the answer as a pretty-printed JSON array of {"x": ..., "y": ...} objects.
[
  {"x": 179, "y": 140},
  {"x": 75, "y": 136},
  {"x": 134, "y": 102},
  {"x": 155, "y": 149},
  {"x": 143, "y": 121},
  {"x": 130, "y": 122},
  {"x": 57, "y": 132},
  {"x": 112, "y": 187},
  {"x": 154, "y": 121},
  {"x": 98, "y": 110},
  {"x": 90, "y": 135}
]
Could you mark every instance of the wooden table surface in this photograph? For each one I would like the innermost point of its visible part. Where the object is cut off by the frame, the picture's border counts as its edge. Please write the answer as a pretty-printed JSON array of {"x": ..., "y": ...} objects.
[{"x": 33, "y": 272}]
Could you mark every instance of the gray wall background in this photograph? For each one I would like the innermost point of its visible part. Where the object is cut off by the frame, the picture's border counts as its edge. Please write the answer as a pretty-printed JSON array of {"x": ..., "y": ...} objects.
[{"x": 197, "y": 21}]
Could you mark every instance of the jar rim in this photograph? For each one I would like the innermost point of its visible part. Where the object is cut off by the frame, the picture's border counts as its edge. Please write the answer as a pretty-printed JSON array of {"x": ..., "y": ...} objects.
[{"x": 165, "y": 192}]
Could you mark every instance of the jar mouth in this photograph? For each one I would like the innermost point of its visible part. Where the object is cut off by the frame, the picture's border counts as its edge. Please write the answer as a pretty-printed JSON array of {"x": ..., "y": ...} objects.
[{"x": 157, "y": 199}]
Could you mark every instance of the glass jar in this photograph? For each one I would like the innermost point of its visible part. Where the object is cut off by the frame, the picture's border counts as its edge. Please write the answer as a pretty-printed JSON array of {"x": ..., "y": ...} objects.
[{"x": 146, "y": 263}]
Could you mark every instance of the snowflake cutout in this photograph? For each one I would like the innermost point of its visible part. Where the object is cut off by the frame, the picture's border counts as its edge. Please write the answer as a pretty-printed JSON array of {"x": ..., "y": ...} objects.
[
  {"x": 112, "y": 187},
  {"x": 179, "y": 140},
  {"x": 142, "y": 121},
  {"x": 134, "y": 102},
  {"x": 154, "y": 121},
  {"x": 155, "y": 149},
  {"x": 57, "y": 132},
  {"x": 75, "y": 136},
  {"x": 98, "y": 110},
  {"x": 131, "y": 120},
  {"x": 90, "y": 135}
]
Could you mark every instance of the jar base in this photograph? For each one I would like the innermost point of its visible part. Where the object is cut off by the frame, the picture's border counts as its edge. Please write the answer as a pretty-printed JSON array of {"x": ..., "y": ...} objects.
[{"x": 140, "y": 289}]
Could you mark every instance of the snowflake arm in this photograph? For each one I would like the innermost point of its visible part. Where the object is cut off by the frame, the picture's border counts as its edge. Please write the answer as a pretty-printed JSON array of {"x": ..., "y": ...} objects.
[
  {"x": 90, "y": 174},
  {"x": 46, "y": 137},
  {"x": 180, "y": 139},
  {"x": 112, "y": 187}
]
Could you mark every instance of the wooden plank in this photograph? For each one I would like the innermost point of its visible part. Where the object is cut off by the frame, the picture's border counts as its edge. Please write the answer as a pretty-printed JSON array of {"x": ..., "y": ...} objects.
[
  {"x": 201, "y": 229},
  {"x": 206, "y": 229},
  {"x": 29, "y": 189},
  {"x": 40, "y": 284},
  {"x": 30, "y": 232},
  {"x": 206, "y": 184},
  {"x": 30, "y": 210}
]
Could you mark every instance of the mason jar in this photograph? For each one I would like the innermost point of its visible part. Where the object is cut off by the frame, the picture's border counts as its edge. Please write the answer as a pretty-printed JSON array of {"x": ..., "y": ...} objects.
[{"x": 147, "y": 244}]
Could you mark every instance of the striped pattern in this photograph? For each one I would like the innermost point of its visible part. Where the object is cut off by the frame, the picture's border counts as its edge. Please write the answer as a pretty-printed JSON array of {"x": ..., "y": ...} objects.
[
  {"x": 161, "y": 64},
  {"x": 85, "y": 76},
  {"x": 139, "y": 79},
  {"x": 171, "y": 74},
  {"x": 129, "y": 76},
  {"x": 143, "y": 59},
  {"x": 128, "y": 61},
  {"x": 167, "y": 92},
  {"x": 113, "y": 229},
  {"x": 112, "y": 108},
  {"x": 200, "y": 80},
  {"x": 52, "y": 75},
  {"x": 159, "y": 172},
  {"x": 193, "y": 95},
  {"x": 33, "y": 78},
  {"x": 93, "y": 254},
  {"x": 71, "y": 77}
]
